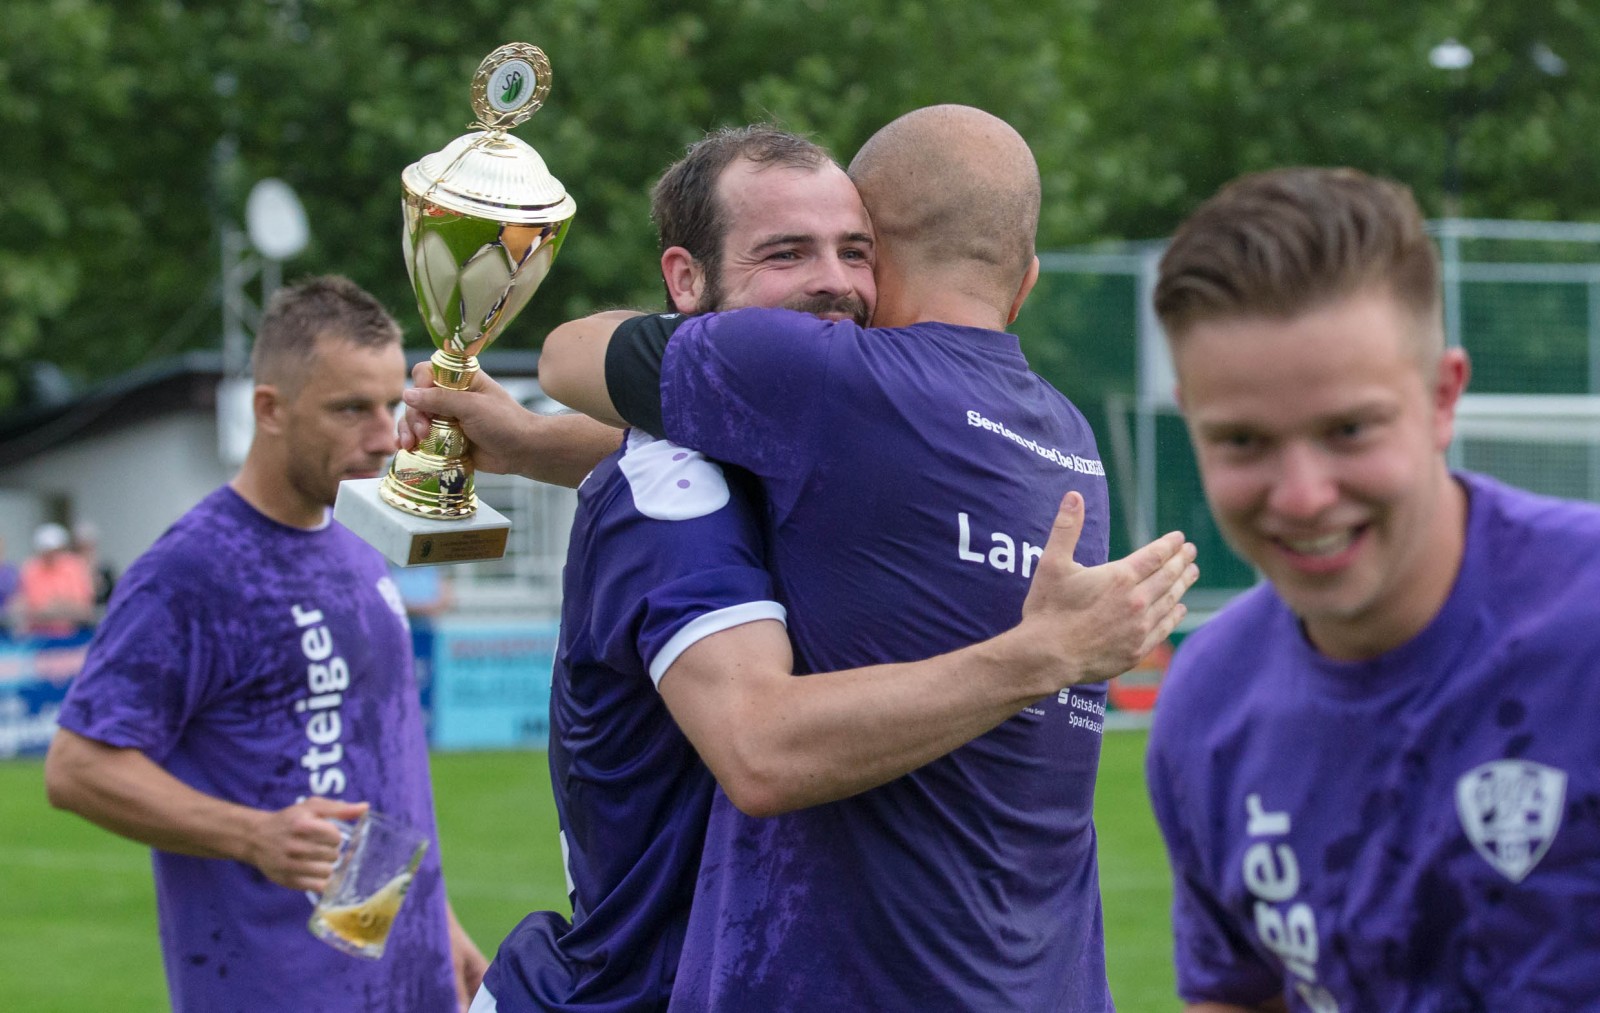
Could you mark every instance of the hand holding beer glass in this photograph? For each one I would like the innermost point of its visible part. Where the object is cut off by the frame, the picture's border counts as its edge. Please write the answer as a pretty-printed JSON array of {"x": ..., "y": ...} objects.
[{"x": 378, "y": 857}]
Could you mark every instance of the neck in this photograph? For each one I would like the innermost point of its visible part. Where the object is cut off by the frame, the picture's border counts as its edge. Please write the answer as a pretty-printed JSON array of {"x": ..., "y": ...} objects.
[
  {"x": 903, "y": 301},
  {"x": 264, "y": 484}
]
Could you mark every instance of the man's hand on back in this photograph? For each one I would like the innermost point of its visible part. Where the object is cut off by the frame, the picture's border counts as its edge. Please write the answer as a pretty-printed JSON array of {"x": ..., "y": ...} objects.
[{"x": 1096, "y": 622}]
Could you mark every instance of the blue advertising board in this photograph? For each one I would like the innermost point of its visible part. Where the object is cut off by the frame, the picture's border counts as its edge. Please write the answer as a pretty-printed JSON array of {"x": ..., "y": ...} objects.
[
  {"x": 33, "y": 681},
  {"x": 489, "y": 684},
  {"x": 484, "y": 684}
]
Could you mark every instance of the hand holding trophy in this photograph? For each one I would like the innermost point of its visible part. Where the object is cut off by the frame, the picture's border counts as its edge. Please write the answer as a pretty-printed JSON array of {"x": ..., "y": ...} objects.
[{"x": 484, "y": 220}]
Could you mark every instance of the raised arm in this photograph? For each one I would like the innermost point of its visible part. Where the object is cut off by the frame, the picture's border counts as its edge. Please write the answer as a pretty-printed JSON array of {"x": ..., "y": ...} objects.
[
  {"x": 572, "y": 367},
  {"x": 127, "y": 793},
  {"x": 777, "y": 742},
  {"x": 507, "y": 438}
]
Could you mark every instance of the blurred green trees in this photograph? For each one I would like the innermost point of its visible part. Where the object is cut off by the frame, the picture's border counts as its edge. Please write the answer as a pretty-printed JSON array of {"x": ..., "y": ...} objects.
[{"x": 132, "y": 128}]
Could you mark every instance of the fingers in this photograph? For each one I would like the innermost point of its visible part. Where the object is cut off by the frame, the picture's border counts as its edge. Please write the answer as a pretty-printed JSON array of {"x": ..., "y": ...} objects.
[
  {"x": 411, "y": 432},
  {"x": 1165, "y": 628},
  {"x": 437, "y": 400},
  {"x": 1167, "y": 609},
  {"x": 311, "y": 876},
  {"x": 1150, "y": 558},
  {"x": 334, "y": 808},
  {"x": 314, "y": 842},
  {"x": 1067, "y": 527},
  {"x": 1191, "y": 576},
  {"x": 484, "y": 383},
  {"x": 300, "y": 863},
  {"x": 414, "y": 422},
  {"x": 1174, "y": 568}
]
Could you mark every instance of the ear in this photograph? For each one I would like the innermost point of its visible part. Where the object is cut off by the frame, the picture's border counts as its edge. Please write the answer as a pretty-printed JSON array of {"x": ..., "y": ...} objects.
[
  {"x": 685, "y": 278},
  {"x": 268, "y": 404},
  {"x": 1028, "y": 281},
  {"x": 1450, "y": 381}
]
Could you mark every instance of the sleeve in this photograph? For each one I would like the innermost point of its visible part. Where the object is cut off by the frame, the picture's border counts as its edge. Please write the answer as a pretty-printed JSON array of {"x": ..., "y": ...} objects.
[
  {"x": 149, "y": 669},
  {"x": 676, "y": 570},
  {"x": 677, "y": 616},
  {"x": 747, "y": 387},
  {"x": 1213, "y": 958},
  {"x": 633, "y": 368}
]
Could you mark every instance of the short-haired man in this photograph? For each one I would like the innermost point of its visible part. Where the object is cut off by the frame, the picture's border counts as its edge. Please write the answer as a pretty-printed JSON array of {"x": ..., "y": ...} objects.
[
  {"x": 252, "y": 682},
  {"x": 910, "y": 476},
  {"x": 1376, "y": 772}
]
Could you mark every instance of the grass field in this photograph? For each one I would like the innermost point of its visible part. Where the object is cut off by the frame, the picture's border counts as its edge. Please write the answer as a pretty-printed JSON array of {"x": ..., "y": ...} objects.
[{"x": 77, "y": 909}]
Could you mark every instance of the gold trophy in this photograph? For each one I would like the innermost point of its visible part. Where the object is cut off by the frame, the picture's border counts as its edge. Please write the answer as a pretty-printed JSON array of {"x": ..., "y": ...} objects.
[{"x": 484, "y": 219}]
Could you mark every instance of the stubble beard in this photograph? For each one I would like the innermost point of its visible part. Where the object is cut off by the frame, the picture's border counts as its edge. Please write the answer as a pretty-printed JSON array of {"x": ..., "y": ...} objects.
[{"x": 816, "y": 305}]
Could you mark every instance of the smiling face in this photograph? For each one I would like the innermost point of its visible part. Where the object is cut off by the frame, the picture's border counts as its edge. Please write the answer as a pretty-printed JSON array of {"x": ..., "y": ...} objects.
[
  {"x": 339, "y": 424},
  {"x": 797, "y": 237},
  {"x": 1321, "y": 444}
]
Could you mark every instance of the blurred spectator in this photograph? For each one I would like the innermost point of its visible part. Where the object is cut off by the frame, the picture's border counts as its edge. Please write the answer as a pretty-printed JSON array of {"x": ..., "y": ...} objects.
[
  {"x": 86, "y": 543},
  {"x": 426, "y": 591},
  {"x": 55, "y": 591}
]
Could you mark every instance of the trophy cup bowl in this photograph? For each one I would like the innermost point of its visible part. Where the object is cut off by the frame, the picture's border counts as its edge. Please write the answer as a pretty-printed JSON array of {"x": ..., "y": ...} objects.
[{"x": 484, "y": 219}]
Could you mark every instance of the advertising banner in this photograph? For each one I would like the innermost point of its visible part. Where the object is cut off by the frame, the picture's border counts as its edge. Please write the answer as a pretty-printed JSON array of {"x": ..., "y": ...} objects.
[
  {"x": 33, "y": 681},
  {"x": 489, "y": 685}
]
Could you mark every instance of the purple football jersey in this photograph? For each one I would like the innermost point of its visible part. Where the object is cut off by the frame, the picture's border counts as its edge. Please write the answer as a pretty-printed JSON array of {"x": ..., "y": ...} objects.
[
  {"x": 1415, "y": 832},
  {"x": 909, "y": 478},
  {"x": 664, "y": 551},
  {"x": 262, "y": 664}
]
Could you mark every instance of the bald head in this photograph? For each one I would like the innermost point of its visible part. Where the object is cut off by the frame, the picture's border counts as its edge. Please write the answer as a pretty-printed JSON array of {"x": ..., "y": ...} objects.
[{"x": 952, "y": 187}]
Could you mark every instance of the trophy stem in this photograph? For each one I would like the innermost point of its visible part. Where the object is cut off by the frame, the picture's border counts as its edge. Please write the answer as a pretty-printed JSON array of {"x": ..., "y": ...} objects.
[
  {"x": 452, "y": 370},
  {"x": 436, "y": 479}
]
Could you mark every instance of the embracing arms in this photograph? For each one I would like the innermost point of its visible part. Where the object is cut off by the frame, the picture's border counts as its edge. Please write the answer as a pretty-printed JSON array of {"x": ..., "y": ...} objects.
[{"x": 778, "y": 742}]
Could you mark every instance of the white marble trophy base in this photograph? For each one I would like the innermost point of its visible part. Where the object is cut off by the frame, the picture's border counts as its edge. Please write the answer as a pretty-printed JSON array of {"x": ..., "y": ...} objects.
[{"x": 408, "y": 540}]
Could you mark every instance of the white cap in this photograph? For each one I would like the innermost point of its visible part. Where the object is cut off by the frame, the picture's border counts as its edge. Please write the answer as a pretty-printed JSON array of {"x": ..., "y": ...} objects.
[{"x": 49, "y": 538}]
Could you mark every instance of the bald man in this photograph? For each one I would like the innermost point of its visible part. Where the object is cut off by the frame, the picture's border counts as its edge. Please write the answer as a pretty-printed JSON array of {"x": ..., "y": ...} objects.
[{"x": 910, "y": 475}]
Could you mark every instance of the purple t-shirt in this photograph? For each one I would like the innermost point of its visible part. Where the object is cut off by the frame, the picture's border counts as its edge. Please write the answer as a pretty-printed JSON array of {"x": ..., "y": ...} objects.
[
  {"x": 910, "y": 477},
  {"x": 664, "y": 552},
  {"x": 261, "y": 664},
  {"x": 1416, "y": 833}
]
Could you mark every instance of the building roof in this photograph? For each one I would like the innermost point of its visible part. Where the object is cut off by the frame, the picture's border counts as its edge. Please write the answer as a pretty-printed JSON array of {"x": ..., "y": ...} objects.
[{"x": 186, "y": 382}]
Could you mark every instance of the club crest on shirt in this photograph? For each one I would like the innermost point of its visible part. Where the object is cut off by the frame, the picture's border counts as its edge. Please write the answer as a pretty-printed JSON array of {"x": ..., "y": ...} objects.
[{"x": 1511, "y": 810}]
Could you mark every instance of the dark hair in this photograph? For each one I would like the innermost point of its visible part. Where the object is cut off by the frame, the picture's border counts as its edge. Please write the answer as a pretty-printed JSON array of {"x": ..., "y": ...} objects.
[
  {"x": 298, "y": 315},
  {"x": 1280, "y": 243},
  {"x": 684, "y": 203}
]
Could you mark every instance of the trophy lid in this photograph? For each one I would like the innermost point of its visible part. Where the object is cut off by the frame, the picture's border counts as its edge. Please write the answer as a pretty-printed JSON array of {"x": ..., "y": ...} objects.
[{"x": 488, "y": 173}]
